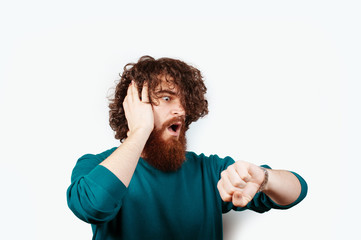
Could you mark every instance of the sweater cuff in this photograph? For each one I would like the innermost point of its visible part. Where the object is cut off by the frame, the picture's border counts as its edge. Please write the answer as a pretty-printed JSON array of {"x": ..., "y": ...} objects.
[{"x": 108, "y": 181}]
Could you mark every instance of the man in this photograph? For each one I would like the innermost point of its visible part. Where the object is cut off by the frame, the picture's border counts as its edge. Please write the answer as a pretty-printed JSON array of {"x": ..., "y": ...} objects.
[{"x": 150, "y": 187}]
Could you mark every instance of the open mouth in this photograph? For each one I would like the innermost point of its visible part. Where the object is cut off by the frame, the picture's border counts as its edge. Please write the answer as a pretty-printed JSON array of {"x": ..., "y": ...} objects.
[{"x": 174, "y": 129}]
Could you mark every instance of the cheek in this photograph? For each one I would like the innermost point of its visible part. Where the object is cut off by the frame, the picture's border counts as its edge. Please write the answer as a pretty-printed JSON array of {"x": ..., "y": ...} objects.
[{"x": 157, "y": 117}]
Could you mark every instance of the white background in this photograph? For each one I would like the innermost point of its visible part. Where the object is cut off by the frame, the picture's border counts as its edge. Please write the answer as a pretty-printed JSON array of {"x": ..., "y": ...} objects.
[{"x": 283, "y": 82}]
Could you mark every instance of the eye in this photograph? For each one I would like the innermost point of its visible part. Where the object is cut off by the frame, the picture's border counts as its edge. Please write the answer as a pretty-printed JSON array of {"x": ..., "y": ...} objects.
[{"x": 166, "y": 98}]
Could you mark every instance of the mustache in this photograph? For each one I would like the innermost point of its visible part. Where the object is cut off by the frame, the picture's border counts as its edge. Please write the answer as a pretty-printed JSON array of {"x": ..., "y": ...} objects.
[{"x": 174, "y": 120}]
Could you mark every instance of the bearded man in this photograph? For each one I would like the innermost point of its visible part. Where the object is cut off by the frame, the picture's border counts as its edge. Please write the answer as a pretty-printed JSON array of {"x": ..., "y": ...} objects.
[{"x": 150, "y": 187}]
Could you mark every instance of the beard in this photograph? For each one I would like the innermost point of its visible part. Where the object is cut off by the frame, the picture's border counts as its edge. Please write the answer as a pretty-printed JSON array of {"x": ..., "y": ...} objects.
[{"x": 166, "y": 155}]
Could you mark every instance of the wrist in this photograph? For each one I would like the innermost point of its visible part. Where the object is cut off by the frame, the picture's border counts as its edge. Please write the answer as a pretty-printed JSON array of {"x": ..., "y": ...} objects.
[
  {"x": 263, "y": 186},
  {"x": 146, "y": 131}
]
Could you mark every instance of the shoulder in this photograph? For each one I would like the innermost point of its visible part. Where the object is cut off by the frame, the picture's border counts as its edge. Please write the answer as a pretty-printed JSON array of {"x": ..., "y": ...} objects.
[
  {"x": 99, "y": 157},
  {"x": 212, "y": 161},
  {"x": 88, "y": 162}
]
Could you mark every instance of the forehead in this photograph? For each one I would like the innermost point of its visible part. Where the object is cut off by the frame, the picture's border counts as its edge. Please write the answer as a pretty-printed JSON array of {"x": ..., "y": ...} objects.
[{"x": 166, "y": 84}]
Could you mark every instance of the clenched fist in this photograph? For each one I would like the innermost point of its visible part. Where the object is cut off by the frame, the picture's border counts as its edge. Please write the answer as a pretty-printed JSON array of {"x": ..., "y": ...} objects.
[{"x": 240, "y": 182}]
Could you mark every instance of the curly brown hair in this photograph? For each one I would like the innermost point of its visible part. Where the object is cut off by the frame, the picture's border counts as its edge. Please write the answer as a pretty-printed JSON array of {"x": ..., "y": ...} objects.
[{"x": 187, "y": 78}]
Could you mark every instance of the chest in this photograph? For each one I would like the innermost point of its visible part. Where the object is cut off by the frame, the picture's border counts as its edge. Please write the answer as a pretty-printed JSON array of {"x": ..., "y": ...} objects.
[{"x": 175, "y": 203}]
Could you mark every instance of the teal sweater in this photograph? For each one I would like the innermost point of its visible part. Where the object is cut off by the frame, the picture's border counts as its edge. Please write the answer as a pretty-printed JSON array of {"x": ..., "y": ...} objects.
[{"x": 156, "y": 205}]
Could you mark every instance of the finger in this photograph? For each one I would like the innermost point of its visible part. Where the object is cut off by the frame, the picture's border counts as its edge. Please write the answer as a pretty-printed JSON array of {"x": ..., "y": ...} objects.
[
  {"x": 145, "y": 96},
  {"x": 125, "y": 102},
  {"x": 226, "y": 183},
  {"x": 224, "y": 195},
  {"x": 129, "y": 91},
  {"x": 135, "y": 91},
  {"x": 242, "y": 171},
  {"x": 234, "y": 177},
  {"x": 126, "y": 106},
  {"x": 239, "y": 199},
  {"x": 251, "y": 189}
]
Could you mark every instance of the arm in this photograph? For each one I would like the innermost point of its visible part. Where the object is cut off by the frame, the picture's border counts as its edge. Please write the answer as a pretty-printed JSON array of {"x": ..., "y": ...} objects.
[
  {"x": 99, "y": 183},
  {"x": 241, "y": 181},
  {"x": 282, "y": 187},
  {"x": 139, "y": 113}
]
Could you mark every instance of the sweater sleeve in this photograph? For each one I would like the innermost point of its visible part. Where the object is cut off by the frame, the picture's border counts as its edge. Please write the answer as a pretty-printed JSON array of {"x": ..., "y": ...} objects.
[{"x": 95, "y": 193}]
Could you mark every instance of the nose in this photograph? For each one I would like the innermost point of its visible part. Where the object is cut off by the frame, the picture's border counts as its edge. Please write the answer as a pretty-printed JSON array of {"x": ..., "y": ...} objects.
[{"x": 178, "y": 110}]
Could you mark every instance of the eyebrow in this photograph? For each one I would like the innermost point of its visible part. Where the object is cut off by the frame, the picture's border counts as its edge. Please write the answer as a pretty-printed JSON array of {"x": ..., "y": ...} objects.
[{"x": 166, "y": 91}]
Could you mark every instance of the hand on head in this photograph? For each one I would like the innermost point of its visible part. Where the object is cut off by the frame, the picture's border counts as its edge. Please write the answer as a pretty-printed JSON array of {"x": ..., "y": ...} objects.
[{"x": 138, "y": 112}]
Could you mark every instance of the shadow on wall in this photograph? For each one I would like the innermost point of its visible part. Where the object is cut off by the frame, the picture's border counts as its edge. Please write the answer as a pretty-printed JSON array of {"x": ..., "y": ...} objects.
[{"x": 232, "y": 223}]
